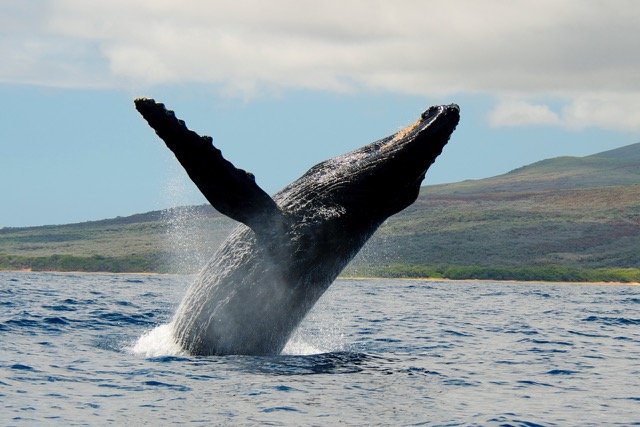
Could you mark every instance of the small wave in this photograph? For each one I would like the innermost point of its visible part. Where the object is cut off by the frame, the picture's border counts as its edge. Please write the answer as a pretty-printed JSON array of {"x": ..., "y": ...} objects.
[
  {"x": 279, "y": 409},
  {"x": 561, "y": 372},
  {"x": 125, "y": 303},
  {"x": 613, "y": 321},
  {"x": 508, "y": 422},
  {"x": 21, "y": 367},
  {"x": 546, "y": 350},
  {"x": 460, "y": 382},
  {"x": 533, "y": 383},
  {"x": 585, "y": 334},
  {"x": 59, "y": 307},
  {"x": 176, "y": 387},
  {"x": 56, "y": 320},
  {"x": 551, "y": 342},
  {"x": 150, "y": 295},
  {"x": 157, "y": 342},
  {"x": 126, "y": 319},
  {"x": 413, "y": 370},
  {"x": 23, "y": 323},
  {"x": 324, "y": 363},
  {"x": 457, "y": 333},
  {"x": 169, "y": 359}
]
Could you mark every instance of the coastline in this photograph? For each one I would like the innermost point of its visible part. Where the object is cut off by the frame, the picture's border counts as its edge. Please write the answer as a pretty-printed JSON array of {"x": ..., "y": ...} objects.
[
  {"x": 140, "y": 273},
  {"x": 359, "y": 278},
  {"x": 499, "y": 281}
]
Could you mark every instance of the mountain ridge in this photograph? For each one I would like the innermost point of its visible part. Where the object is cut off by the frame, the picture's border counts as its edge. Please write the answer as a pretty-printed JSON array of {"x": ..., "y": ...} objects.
[{"x": 566, "y": 213}]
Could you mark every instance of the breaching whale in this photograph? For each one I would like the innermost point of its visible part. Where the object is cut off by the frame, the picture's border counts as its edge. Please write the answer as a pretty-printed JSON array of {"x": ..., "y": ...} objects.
[{"x": 290, "y": 247}]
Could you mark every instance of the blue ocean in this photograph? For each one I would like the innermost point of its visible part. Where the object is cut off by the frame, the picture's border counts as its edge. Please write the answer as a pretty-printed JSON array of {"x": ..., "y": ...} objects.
[{"x": 91, "y": 349}]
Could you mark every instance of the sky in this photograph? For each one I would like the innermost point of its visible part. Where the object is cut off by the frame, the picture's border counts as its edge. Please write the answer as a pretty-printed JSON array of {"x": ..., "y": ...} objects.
[{"x": 284, "y": 84}]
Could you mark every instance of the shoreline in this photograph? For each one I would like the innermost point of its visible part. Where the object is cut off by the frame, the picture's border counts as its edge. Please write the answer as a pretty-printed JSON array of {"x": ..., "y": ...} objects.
[
  {"x": 141, "y": 273},
  {"x": 360, "y": 278},
  {"x": 499, "y": 281}
]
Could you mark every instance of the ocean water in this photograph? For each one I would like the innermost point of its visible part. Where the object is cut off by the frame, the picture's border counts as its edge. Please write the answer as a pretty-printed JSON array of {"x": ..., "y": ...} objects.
[{"x": 89, "y": 349}]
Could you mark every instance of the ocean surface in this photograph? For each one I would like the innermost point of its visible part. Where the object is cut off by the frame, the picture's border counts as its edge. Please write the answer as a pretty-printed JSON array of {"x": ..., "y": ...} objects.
[{"x": 90, "y": 349}]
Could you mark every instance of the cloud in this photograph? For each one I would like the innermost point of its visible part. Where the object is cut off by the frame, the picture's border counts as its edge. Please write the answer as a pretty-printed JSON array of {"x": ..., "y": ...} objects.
[
  {"x": 518, "y": 113},
  {"x": 567, "y": 49},
  {"x": 605, "y": 110}
]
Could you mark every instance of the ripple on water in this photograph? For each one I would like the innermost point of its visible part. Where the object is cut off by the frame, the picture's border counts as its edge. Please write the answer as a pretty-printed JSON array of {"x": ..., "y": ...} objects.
[
  {"x": 561, "y": 372},
  {"x": 280, "y": 409},
  {"x": 176, "y": 387},
  {"x": 612, "y": 321},
  {"x": 21, "y": 367},
  {"x": 324, "y": 363},
  {"x": 123, "y": 319},
  {"x": 60, "y": 307},
  {"x": 56, "y": 320}
]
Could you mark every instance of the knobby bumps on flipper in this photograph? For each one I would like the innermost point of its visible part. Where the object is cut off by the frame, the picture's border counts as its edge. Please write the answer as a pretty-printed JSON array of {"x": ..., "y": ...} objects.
[{"x": 230, "y": 190}]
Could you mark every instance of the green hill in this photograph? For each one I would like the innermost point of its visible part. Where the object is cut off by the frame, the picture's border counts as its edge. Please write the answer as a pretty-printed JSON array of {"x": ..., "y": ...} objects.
[
  {"x": 570, "y": 218},
  {"x": 174, "y": 240},
  {"x": 567, "y": 218}
]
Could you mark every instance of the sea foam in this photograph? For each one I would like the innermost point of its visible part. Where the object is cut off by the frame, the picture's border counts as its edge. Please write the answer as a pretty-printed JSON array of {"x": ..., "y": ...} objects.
[{"x": 157, "y": 342}]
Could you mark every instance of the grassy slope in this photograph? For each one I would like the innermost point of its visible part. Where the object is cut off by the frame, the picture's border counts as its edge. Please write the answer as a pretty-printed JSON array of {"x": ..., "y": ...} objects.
[
  {"x": 564, "y": 218},
  {"x": 173, "y": 240}
]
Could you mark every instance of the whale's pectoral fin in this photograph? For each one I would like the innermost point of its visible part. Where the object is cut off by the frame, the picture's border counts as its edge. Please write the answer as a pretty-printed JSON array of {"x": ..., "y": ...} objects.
[{"x": 230, "y": 190}]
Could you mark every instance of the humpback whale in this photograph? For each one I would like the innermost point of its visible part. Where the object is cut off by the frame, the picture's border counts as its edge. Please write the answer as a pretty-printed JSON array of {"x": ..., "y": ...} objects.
[{"x": 289, "y": 248}]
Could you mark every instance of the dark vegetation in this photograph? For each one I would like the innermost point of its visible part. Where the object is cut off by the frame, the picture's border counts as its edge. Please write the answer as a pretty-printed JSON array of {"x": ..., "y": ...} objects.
[{"x": 568, "y": 218}]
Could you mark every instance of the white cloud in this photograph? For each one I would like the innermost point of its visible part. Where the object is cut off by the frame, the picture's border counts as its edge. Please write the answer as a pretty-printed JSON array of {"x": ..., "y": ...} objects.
[
  {"x": 518, "y": 113},
  {"x": 605, "y": 110},
  {"x": 566, "y": 49}
]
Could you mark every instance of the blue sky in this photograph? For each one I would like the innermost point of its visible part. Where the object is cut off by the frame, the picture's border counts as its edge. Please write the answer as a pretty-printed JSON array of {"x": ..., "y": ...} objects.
[{"x": 283, "y": 85}]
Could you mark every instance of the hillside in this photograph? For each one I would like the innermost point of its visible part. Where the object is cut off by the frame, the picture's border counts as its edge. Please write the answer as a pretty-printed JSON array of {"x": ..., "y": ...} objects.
[
  {"x": 570, "y": 218},
  {"x": 174, "y": 240},
  {"x": 565, "y": 213}
]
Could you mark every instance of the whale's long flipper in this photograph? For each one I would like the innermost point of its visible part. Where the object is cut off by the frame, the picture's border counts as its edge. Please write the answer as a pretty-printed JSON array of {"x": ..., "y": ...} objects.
[{"x": 230, "y": 190}]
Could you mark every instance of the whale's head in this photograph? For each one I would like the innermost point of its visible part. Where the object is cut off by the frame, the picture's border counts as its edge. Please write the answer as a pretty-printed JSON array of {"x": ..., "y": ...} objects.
[{"x": 382, "y": 178}]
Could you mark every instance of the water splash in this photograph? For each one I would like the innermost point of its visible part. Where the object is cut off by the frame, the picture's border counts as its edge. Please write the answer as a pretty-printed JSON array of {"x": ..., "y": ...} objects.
[
  {"x": 321, "y": 332},
  {"x": 157, "y": 342},
  {"x": 297, "y": 346},
  {"x": 183, "y": 237},
  {"x": 161, "y": 342}
]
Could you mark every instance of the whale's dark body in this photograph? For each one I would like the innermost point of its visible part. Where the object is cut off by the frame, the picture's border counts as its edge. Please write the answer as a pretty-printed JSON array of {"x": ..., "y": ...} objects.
[{"x": 273, "y": 268}]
